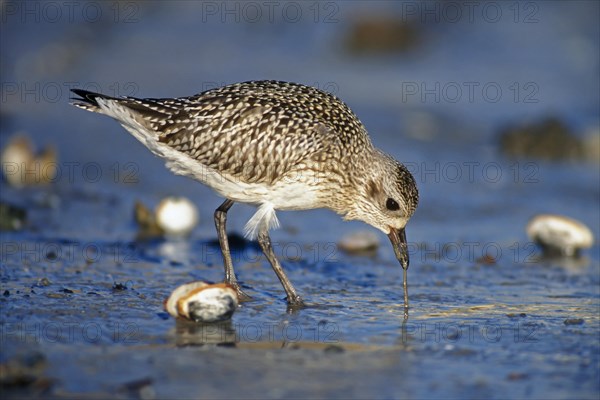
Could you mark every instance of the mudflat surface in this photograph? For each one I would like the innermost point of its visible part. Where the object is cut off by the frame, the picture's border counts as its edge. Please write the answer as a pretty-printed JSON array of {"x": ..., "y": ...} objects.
[{"x": 81, "y": 297}]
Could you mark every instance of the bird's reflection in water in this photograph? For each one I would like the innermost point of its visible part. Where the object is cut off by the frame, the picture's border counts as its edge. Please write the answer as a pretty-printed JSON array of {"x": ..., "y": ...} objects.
[{"x": 187, "y": 333}]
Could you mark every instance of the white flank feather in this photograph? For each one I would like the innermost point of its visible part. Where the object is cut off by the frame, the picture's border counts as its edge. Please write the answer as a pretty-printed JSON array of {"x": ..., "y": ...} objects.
[{"x": 263, "y": 220}]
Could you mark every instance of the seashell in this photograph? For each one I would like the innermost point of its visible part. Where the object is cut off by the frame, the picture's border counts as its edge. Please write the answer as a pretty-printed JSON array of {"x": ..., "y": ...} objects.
[
  {"x": 203, "y": 302},
  {"x": 176, "y": 216},
  {"x": 561, "y": 235},
  {"x": 22, "y": 167}
]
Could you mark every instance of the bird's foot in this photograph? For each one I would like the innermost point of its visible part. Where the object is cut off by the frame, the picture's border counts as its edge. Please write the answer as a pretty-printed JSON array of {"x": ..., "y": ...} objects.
[
  {"x": 295, "y": 303},
  {"x": 242, "y": 296}
]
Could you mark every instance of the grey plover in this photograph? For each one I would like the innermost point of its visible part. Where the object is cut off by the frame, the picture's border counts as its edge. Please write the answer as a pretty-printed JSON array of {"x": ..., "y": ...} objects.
[{"x": 276, "y": 145}]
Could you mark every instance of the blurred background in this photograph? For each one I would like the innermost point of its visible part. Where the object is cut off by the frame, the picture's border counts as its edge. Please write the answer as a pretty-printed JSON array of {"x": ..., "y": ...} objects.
[
  {"x": 490, "y": 98},
  {"x": 493, "y": 105}
]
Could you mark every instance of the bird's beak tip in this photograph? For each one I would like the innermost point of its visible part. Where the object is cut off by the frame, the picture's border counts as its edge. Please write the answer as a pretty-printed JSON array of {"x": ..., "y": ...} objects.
[{"x": 398, "y": 239}]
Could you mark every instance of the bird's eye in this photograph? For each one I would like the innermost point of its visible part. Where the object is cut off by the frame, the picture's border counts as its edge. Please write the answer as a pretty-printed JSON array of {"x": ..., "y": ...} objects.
[{"x": 392, "y": 205}]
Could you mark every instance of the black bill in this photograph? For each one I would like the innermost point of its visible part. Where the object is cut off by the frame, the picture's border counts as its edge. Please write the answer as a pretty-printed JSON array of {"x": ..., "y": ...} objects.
[{"x": 398, "y": 239}]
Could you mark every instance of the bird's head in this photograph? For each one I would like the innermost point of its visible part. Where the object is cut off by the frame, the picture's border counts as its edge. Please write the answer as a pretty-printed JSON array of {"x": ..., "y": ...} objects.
[{"x": 387, "y": 200}]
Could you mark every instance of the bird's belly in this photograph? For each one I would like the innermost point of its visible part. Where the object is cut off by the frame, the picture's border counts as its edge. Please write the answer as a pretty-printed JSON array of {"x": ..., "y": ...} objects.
[
  {"x": 283, "y": 195},
  {"x": 297, "y": 193}
]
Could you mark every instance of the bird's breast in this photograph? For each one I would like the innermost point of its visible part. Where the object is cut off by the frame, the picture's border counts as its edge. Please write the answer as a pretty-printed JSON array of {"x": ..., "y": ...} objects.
[{"x": 288, "y": 193}]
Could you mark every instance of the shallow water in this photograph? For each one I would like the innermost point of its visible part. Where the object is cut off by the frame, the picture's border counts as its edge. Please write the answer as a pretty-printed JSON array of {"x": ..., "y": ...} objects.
[{"x": 505, "y": 326}]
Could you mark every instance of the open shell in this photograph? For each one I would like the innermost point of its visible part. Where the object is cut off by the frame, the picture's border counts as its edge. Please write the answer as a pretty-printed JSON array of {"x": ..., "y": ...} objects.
[
  {"x": 202, "y": 302},
  {"x": 559, "y": 235}
]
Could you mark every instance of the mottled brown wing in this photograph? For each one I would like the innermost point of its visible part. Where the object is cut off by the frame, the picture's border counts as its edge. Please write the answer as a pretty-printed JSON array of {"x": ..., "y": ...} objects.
[
  {"x": 257, "y": 142},
  {"x": 258, "y": 130}
]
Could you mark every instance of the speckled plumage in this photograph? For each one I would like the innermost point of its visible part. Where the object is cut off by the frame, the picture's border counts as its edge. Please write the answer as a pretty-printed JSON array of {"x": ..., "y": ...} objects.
[
  {"x": 277, "y": 145},
  {"x": 264, "y": 132},
  {"x": 259, "y": 131}
]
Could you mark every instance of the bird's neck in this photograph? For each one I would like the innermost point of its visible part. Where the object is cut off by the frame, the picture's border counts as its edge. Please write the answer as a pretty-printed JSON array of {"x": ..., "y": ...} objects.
[{"x": 352, "y": 181}]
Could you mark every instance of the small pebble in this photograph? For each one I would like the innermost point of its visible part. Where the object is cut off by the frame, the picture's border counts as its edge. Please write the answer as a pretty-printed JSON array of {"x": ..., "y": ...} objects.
[
  {"x": 333, "y": 349},
  {"x": 359, "y": 242},
  {"x": 138, "y": 384},
  {"x": 119, "y": 286},
  {"x": 559, "y": 235},
  {"x": 202, "y": 302},
  {"x": 43, "y": 282},
  {"x": 486, "y": 260},
  {"x": 516, "y": 376},
  {"x": 516, "y": 315},
  {"x": 574, "y": 321},
  {"x": 12, "y": 218},
  {"x": 460, "y": 351}
]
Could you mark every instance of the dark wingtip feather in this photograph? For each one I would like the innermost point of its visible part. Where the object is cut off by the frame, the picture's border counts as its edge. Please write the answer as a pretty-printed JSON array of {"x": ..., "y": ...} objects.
[{"x": 86, "y": 96}]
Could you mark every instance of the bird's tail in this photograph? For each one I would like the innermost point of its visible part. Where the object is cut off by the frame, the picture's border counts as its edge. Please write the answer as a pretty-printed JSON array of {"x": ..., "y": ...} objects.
[
  {"x": 130, "y": 112},
  {"x": 87, "y": 100}
]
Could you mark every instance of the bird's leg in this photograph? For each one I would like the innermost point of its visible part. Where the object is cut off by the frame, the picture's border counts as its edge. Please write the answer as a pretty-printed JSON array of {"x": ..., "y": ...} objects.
[
  {"x": 220, "y": 221},
  {"x": 293, "y": 299}
]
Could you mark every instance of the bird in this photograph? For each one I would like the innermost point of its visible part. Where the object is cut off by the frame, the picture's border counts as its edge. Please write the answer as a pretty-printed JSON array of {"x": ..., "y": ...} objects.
[{"x": 278, "y": 146}]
